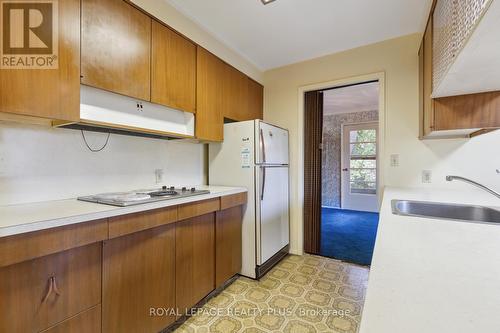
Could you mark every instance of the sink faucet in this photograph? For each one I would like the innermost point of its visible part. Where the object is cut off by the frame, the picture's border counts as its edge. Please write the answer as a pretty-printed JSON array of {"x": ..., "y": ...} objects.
[{"x": 466, "y": 180}]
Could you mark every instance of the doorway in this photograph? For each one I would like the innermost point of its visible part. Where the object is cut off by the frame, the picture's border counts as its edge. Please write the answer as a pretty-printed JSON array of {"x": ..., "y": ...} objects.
[{"x": 341, "y": 171}]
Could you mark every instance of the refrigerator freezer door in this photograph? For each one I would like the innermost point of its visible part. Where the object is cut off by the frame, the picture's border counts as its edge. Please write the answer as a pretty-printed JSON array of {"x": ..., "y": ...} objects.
[
  {"x": 272, "y": 144},
  {"x": 272, "y": 206}
]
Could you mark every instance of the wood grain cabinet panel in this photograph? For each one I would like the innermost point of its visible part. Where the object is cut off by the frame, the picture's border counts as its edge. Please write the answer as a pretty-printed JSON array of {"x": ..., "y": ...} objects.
[
  {"x": 426, "y": 82},
  {"x": 235, "y": 94},
  {"x": 31, "y": 245},
  {"x": 49, "y": 93},
  {"x": 88, "y": 321},
  {"x": 198, "y": 208},
  {"x": 116, "y": 45},
  {"x": 227, "y": 244},
  {"x": 173, "y": 71},
  {"x": 195, "y": 260},
  {"x": 229, "y": 201},
  {"x": 255, "y": 100},
  {"x": 40, "y": 293},
  {"x": 467, "y": 111},
  {"x": 211, "y": 72},
  {"x": 127, "y": 224},
  {"x": 138, "y": 274}
]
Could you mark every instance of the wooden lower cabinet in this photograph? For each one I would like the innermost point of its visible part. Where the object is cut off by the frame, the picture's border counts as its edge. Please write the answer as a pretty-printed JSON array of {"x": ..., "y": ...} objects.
[
  {"x": 40, "y": 293},
  {"x": 139, "y": 277},
  {"x": 228, "y": 244},
  {"x": 195, "y": 260},
  {"x": 138, "y": 281},
  {"x": 88, "y": 321}
]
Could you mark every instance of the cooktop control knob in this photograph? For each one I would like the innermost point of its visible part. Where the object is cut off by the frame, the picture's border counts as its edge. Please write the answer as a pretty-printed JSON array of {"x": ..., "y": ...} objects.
[
  {"x": 193, "y": 189},
  {"x": 164, "y": 188},
  {"x": 184, "y": 189},
  {"x": 172, "y": 188}
]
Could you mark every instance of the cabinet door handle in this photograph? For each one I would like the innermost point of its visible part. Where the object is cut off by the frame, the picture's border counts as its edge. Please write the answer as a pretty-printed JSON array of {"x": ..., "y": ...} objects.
[
  {"x": 49, "y": 291},
  {"x": 54, "y": 284}
]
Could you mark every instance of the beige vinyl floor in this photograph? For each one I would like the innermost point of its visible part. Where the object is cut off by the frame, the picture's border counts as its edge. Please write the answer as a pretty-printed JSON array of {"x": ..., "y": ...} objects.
[{"x": 301, "y": 294}]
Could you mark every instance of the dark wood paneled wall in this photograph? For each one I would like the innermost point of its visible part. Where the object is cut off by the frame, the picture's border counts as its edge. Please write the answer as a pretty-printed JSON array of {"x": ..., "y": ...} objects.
[{"x": 313, "y": 132}]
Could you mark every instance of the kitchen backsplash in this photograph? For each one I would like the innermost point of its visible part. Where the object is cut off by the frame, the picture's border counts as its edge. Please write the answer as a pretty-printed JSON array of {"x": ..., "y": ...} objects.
[{"x": 39, "y": 163}]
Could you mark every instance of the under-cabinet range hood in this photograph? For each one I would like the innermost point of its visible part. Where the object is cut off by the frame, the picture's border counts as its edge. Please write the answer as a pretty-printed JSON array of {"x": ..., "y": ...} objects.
[{"x": 105, "y": 111}]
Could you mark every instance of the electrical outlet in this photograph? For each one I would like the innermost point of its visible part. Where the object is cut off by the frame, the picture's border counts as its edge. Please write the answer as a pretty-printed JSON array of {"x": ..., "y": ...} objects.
[
  {"x": 394, "y": 160},
  {"x": 140, "y": 107},
  {"x": 426, "y": 176},
  {"x": 159, "y": 176}
]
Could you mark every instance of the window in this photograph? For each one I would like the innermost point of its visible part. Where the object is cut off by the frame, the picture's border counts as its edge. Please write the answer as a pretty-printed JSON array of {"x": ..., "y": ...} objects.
[{"x": 363, "y": 161}]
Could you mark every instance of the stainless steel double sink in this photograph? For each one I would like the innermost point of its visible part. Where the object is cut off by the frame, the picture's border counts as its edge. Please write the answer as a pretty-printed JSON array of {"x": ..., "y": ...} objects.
[{"x": 447, "y": 211}]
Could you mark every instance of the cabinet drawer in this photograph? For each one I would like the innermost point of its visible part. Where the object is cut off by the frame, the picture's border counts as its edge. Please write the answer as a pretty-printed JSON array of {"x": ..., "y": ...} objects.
[
  {"x": 40, "y": 293},
  {"x": 234, "y": 200},
  {"x": 198, "y": 208},
  {"x": 31, "y": 245},
  {"x": 127, "y": 224},
  {"x": 88, "y": 321}
]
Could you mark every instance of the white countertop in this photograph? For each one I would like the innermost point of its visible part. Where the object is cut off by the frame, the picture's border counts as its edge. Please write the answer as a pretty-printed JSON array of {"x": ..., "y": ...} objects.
[
  {"x": 431, "y": 275},
  {"x": 17, "y": 219}
]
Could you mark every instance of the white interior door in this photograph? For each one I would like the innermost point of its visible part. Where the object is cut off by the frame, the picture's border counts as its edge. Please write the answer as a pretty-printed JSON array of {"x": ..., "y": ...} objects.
[
  {"x": 273, "y": 227},
  {"x": 360, "y": 167}
]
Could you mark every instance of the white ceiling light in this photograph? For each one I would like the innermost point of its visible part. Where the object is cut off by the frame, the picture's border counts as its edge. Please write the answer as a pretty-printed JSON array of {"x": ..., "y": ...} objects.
[{"x": 265, "y": 2}]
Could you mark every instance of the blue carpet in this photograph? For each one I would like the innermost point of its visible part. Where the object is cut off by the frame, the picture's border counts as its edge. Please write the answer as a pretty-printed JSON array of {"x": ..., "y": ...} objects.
[{"x": 348, "y": 235}]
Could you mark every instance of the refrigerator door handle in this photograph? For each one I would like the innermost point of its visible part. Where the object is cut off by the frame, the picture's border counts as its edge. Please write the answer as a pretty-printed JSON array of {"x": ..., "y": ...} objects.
[
  {"x": 262, "y": 146},
  {"x": 263, "y": 183}
]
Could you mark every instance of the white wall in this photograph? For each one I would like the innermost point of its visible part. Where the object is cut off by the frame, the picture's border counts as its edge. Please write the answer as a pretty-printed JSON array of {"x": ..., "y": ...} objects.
[
  {"x": 476, "y": 158},
  {"x": 175, "y": 19},
  {"x": 41, "y": 163}
]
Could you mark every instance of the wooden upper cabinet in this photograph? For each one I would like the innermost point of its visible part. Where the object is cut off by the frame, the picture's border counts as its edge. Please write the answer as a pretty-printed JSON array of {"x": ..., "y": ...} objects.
[
  {"x": 173, "y": 69},
  {"x": 49, "y": 93},
  {"x": 235, "y": 94},
  {"x": 255, "y": 101},
  {"x": 211, "y": 72},
  {"x": 426, "y": 83},
  {"x": 116, "y": 48},
  {"x": 457, "y": 115},
  {"x": 243, "y": 97}
]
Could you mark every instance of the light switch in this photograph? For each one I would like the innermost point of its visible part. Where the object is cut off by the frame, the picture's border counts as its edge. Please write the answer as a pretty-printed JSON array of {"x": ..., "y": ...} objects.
[
  {"x": 426, "y": 176},
  {"x": 159, "y": 176},
  {"x": 394, "y": 160}
]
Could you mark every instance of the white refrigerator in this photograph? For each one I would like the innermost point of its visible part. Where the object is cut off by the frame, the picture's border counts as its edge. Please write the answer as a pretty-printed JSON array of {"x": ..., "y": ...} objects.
[{"x": 254, "y": 155}]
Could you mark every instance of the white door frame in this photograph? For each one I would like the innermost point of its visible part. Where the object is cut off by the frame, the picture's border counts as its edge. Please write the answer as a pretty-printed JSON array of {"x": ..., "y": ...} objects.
[
  {"x": 297, "y": 203},
  {"x": 370, "y": 202}
]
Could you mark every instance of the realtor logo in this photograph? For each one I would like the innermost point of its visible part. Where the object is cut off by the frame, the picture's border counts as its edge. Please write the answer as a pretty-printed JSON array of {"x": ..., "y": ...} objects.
[{"x": 29, "y": 34}]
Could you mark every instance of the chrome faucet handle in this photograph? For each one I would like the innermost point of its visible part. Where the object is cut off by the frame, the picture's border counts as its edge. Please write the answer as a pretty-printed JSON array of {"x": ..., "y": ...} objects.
[{"x": 476, "y": 184}]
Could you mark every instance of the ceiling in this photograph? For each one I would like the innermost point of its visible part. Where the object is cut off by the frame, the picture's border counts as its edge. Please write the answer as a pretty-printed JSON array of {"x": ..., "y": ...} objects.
[
  {"x": 288, "y": 31},
  {"x": 359, "y": 98}
]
